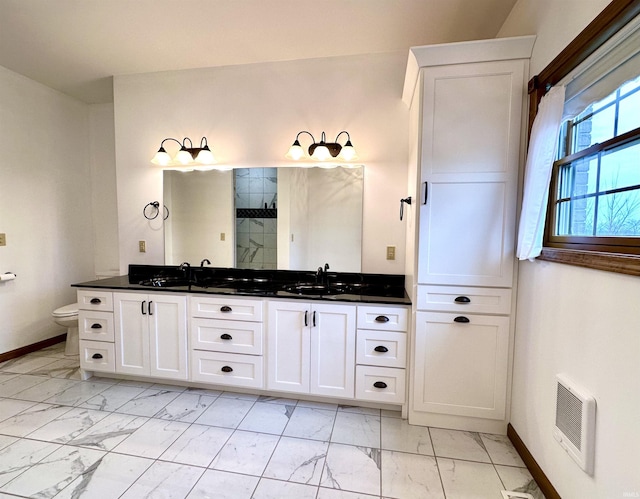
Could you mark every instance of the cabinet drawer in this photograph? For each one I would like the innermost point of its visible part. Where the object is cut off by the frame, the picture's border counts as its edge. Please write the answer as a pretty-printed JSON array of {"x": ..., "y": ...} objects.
[
  {"x": 464, "y": 299},
  {"x": 381, "y": 348},
  {"x": 226, "y": 336},
  {"x": 227, "y": 369},
  {"x": 96, "y": 326},
  {"x": 220, "y": 307},
  {"x": 93, "y": 299},
  {"x": 382, "y": 318},
  {"x": 97, "y": 356},
  {"x": 391, "y": 384}
]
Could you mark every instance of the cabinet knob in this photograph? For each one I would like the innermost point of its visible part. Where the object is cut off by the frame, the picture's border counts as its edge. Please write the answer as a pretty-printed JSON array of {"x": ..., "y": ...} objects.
[
  {"x": 380, "y": 384},
  {"x": 225, "y": 308},
  {"x": 96, "y": 356},
  {"x": 381, "y": 348},
  {"x": 226, "y": 369},
  {"x": 96, "y": 301},
  {"x": 462, "y": 299},
  {"x": 382, "y": 318},
  {"x": 461, "y": 319},
  {"x": 226, "y": 336},
  {"x": 96, "y": 326}
]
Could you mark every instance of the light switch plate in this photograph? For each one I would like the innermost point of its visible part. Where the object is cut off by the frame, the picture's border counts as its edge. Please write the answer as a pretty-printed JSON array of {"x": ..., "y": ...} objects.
[
  {"x": 3, "y": 239},
  {"x": 391, "y": 252},
  {"x": 142, "y": 246}
]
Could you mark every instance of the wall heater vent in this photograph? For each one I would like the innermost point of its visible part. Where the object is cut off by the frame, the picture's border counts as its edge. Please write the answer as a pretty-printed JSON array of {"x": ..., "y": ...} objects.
[{"x": 575, "y": 422}]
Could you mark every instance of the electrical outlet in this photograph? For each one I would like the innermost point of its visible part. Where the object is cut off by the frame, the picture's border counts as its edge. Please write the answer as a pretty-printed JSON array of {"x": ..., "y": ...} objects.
[
  {"x": 391, "y": 252},
  {"x": 3, "y": 239},
  {"x": 142, "y": 246},
  {"x": 222, "y": 236}
]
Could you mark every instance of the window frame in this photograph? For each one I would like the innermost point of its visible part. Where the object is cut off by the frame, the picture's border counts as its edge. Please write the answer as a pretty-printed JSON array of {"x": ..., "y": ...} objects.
[
  {"x": 613, "y": 244},
  {"x": 599, "y": 256}
]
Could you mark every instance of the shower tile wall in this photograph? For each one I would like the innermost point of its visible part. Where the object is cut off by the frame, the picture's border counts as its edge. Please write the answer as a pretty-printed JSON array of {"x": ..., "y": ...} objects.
[{"x": 256, "y": 236}]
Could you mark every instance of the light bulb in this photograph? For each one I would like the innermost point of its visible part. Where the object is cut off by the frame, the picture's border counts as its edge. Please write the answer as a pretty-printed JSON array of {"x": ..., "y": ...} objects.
[
  {"x": 321, "y": 153},
  {"x": 183, "y": 157},
  {"x": 161, "y": 158},
  {"x": 348, "y": 152},
  {"x": 205, "y": 157},
  {"x": 295, "y": 151}
]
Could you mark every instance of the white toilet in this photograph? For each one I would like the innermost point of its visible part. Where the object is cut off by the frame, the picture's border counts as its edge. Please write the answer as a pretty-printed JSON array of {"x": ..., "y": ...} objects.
[{"x": 67, "y": 316}]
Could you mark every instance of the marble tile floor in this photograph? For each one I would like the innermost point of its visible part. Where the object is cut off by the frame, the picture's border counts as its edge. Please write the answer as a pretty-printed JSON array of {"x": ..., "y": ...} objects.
[{"x": 105, "y": 438}]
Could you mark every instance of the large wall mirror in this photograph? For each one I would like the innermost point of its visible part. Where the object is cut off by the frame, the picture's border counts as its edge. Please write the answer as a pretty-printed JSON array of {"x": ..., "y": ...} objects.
[{"x": 265, "y": 218}]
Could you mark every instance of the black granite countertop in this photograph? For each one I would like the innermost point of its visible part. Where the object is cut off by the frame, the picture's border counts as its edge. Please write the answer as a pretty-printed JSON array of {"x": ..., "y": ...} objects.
[{"x": 332, "y": 286}]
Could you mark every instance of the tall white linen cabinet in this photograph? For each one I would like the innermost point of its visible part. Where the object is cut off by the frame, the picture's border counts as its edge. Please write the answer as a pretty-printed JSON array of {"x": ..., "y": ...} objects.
[{"x": 468, "y": 117}]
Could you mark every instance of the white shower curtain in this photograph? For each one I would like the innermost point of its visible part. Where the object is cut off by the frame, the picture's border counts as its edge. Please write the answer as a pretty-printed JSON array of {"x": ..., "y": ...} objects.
[{"x": 543, "y": 146}]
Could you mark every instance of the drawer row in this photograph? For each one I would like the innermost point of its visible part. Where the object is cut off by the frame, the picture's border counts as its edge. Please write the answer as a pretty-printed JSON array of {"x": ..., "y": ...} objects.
[
  {"x": 381, "y": 318},
  {"x": 379, "y": 348},
  {"x": 380, "y": 384}
]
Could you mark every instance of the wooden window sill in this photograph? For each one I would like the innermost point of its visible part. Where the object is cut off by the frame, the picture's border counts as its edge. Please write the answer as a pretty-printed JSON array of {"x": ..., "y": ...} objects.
[{"x": 610, "y": 262}]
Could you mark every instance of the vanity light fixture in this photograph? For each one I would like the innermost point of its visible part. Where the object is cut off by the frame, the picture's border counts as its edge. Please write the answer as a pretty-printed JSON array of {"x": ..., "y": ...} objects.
[
  {"x": 323, "y": 150},
  {"x": 196, "y": 158}
]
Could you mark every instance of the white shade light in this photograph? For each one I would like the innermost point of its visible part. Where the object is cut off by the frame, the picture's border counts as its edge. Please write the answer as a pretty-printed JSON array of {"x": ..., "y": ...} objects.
[
  {"x": 188, "y": 158},
  {"x": 295, "y": 151},
  {"x": 323, "y": 151}
]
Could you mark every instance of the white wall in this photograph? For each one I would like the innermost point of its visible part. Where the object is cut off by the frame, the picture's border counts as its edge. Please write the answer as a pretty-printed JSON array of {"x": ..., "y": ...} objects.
[
  {"x": 103, "y": 188},
  {"x": 251, "y": 114},
  {"x": 45, "y": 206},
  {"x": 581, "y": 322}
]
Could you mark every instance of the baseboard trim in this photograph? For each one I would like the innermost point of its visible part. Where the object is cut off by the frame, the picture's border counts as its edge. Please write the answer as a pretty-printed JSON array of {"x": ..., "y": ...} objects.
[
  {"x": 538, "y": 475},
  {"x": 19, "y": 352}
]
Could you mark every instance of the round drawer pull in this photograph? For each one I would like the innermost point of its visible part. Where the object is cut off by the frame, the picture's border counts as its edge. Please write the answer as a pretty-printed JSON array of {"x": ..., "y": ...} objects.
[
  {"x": 96, "y": 301},
  {"x": 462, "y": 299},
  {"x": 226, "y": 369},
  {"x": 96, "y": 356},
  {"x": 380, "y": 384},
  {"x": 225, "y": 308},
  {"x": 226, "y": 336},
  {"x": 461, "y": 319},
  {"x": 382, "y": 318},
  {"x": 381, "y": 348},
  {"x": 96, "y": 326}
]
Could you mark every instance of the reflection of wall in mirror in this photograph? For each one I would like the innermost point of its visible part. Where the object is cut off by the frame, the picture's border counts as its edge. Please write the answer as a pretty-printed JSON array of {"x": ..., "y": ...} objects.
[
  {"x": 326, "y": 219},
  {"x": 201, "y": 209}
]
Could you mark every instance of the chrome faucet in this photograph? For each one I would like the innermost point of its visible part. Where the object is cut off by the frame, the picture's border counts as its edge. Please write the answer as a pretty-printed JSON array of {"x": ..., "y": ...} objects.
[{"x": 206, "y": 260}]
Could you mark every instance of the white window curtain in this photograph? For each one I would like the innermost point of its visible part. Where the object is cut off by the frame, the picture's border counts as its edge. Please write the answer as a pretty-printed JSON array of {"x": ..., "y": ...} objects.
[{"x": 543, "y": 146}]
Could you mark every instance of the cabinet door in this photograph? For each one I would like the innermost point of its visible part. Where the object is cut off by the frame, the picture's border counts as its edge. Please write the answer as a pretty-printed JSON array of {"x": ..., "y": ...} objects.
[
  {"x": 472, "y": 116},
  {"x": 131, "y": 333},
  {"x": 333, "y": 350},
  {"x": 167, "y": 315},
  {"x": 288, "y": 346},
  {"x": 461, "y": 367}
]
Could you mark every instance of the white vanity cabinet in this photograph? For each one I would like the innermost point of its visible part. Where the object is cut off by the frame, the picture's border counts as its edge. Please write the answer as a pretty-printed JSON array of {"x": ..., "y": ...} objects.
[
  {"x": 151, "y": 334},
  {"x": 381, "y": 353},
  {"x": 311, "y": 348},
  {"x": 467, "y": 104},
  {"x": 226, "y": 336},
  {"x": 96, "y": 330}
]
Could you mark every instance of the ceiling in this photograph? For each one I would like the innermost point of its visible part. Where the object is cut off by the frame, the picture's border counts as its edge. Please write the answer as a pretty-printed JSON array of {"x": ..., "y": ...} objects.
[{"x": 76, "y": 46}]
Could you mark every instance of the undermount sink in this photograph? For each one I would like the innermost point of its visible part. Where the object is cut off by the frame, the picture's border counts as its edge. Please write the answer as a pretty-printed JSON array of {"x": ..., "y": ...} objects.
[
  {"x": 315, "y": 289},
  {"x": 165, "y": 282}
]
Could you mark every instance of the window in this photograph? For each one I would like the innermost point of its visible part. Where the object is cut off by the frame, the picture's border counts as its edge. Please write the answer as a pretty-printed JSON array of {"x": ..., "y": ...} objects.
[{"x": 594, "y": 199}]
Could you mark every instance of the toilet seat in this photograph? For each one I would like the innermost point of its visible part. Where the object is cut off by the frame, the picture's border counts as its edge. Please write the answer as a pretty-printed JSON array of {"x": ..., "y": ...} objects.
[{"x": 66, "y": 311}]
